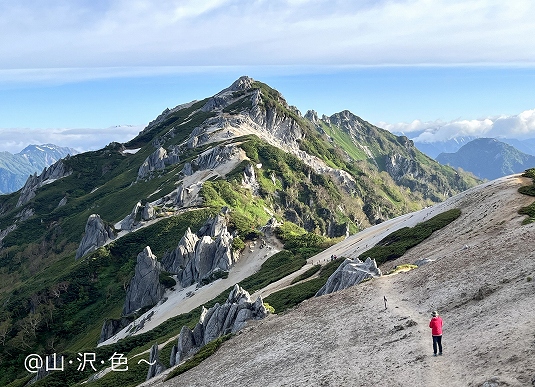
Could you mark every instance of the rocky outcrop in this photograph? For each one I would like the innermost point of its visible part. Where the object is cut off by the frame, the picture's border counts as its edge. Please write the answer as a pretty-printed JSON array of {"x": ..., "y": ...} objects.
[
  {"x": 145, "y": 288},
  {"x": 25, "y": 214},
  {"x": 139, "y": 213},
  {"x": 398, "y": 167},
  {"x": 217, "y": 321},
  {"x": 349, "y": 273},
  {"x": 214, "y": 157},
  {"x": 249, "y": 179},
  {"x": 187, "y": 170},
  {"x": 131, "y": 220},
  {"x": 62, "y": 202},
  {"x": 156, "y": 367},
  {"x": 97, "y": 234},
  {"x": 271, "y": 226},
  {"x": 6, "y": 231},
  {"x": 188, "y": 196},
  {"x": 176, "y": 261},
  {"x": 157, "y": 161},
  {"x": 112, "y": 326},
  {"x": 274, "y": 121},
  {"x": 226, "y": 96},
  {"x": 200, "y": 256},
  {"x": 56, "y": 171},
  {"x": 312, "y": 116},
  {"x": 148, "y": 213}
]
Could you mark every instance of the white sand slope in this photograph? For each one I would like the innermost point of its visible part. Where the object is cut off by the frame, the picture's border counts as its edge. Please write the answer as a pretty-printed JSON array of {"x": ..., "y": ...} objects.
[{"x": 178, "y": 301}]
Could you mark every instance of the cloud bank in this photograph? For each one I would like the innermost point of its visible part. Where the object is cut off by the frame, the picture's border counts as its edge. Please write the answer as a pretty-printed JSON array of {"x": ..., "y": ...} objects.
[
  {"x": 14, "y": 140},
  {"x": 148, "y": 34},
  {"x": 520, "y": 126}
]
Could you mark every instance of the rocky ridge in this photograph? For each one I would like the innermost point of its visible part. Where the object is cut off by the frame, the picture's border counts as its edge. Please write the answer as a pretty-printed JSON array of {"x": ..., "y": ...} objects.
[
  {"x": 56, "y": 171},
  {"x": 217, "y": 321}
]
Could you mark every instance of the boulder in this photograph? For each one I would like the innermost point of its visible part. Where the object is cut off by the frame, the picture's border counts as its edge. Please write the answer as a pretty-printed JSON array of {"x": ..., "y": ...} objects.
[
  {"x": 145, "y": 288},
  {"x": 349, "y": 273},
  {"x": 97, "y": 234}
]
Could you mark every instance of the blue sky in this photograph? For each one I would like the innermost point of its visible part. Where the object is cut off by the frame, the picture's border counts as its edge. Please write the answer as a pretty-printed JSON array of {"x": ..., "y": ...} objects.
[{"x": 71, "y": 71}]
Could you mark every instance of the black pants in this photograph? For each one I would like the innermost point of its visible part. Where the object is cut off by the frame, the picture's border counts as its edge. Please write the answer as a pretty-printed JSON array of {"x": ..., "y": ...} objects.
[{"x": 437, "y": 340}]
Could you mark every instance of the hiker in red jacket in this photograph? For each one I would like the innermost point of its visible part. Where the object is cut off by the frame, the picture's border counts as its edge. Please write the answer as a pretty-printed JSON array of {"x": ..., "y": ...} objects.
[{"x": 436, "y": 330}]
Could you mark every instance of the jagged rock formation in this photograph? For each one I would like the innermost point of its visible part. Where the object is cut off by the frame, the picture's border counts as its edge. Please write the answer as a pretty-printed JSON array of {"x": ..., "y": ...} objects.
[
  {"x": 249, "y": 179},
  {"x": 156, "y": 367},
  {"x": 111, "y": 326},
  {"x": 157, "y": 161},
  {"x": 218, "y": 321},
  {"x": 214, "y": 157},
  {"x": 97, "y": 234},
  {"x": 145, "y": 288},
  {"x": 139, "y": 213},
  {"x": 349, "y": 273},
  {"x": 149, "y": 212},
  {"x": 56, "y": 171},
  {"x": 129, "y": 222},
  {"x": 199, "y": 256}
]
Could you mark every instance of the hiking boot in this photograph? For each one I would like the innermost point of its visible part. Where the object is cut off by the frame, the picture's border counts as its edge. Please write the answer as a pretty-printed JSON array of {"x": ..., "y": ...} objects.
[
  {"x": 434, "y": 354},
  {"x": 440, "y": 354}
]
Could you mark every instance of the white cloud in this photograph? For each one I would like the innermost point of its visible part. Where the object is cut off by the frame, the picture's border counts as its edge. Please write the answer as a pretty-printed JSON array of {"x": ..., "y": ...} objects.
[
  {"x": 118, "y": 33},
  {"x": 14, "y": 140},
  {"x": 520, "y": 126}
]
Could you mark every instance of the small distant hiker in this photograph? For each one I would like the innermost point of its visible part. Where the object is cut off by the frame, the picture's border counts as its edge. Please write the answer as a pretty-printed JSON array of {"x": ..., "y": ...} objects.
[
  {"x": 436, "y": 330},
  {"x": 384, "y": 298}
]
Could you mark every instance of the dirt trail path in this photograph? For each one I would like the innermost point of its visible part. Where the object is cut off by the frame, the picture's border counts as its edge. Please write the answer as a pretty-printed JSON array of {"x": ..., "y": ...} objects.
[{"x": 436, "y": 371}]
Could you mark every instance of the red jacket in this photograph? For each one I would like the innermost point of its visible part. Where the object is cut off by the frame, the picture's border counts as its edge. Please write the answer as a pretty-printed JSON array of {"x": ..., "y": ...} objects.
[{"x": 436, "y": 326}]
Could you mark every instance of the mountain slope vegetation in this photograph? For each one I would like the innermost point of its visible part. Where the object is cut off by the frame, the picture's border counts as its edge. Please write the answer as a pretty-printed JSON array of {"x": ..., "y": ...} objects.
[{"x": 244, "y": 149}]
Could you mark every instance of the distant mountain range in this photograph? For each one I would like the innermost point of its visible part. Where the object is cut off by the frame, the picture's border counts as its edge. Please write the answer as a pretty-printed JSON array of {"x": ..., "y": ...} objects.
[
  {"x": 15, "y": 168},
  {"x": 488, "y": 158},
  {"x": 433, "y": 149}
]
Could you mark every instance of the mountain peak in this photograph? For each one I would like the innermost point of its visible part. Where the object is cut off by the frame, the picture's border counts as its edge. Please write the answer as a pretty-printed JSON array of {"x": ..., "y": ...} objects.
[{"x": 241, "y": 84}]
